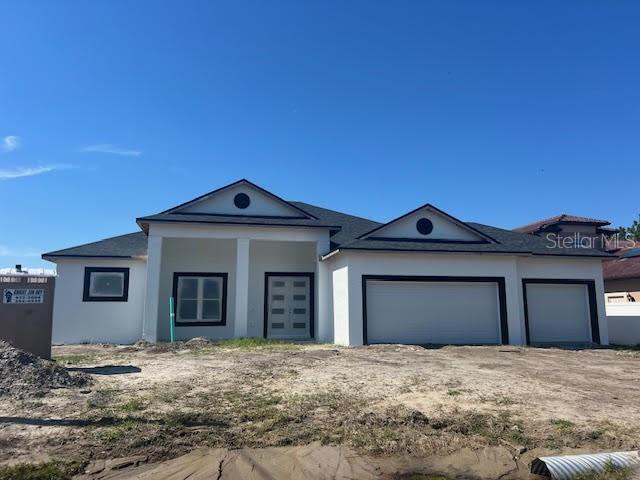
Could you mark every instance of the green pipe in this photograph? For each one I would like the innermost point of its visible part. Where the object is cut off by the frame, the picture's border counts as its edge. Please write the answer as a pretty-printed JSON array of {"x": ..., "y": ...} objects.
[{"x": 172, "y": 318}]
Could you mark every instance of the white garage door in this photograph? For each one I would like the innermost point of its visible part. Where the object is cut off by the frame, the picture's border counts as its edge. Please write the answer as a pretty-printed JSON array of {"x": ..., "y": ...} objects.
[
  {"x": 432, "y": 312},
  {"x": 558, "y": 313}
]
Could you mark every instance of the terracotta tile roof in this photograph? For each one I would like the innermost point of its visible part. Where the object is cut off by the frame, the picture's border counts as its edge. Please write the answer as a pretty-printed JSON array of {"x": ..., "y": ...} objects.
[
  {"x": 627, "y": 265},
  {"x": 564, "y": 218}
]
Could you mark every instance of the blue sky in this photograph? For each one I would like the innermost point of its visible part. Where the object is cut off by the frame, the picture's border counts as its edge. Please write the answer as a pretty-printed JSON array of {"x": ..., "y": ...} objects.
[{"x": 497, "y": 112}]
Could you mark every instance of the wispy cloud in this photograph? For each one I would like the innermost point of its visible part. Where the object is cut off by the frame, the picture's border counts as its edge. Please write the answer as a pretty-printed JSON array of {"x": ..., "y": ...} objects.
[
  {"x": 112, "y": 149},
  {"x": 23, "y": 252},
  {"x": 10, "y": 143},
  {"x": 18, "y": 172}
]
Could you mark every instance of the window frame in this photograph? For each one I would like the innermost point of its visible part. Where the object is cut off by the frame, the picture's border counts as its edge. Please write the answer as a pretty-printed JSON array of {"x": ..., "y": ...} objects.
[
  {"x": 223, "y": 299},
  {"x": 86, "y": 293}
]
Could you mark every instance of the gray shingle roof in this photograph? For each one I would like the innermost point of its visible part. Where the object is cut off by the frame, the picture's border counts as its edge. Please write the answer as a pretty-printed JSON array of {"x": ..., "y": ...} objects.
[
  {"x": 351, "y": 226},
  {"x": 346, "y": 230},
  {"x": 122, "y": 246},
  {"x": 506, "y": 242}
]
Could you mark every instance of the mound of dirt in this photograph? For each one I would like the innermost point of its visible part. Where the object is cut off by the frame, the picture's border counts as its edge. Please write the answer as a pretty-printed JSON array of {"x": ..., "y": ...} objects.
[{"x": 24, "y": 375}]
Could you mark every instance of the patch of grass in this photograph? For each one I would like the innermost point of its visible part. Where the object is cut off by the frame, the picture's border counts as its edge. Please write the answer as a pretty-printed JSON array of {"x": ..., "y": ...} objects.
[
  {"x": 265, "y": 343},
  {"x": 53, "y": 470},
  {"x": 75, "y": 359},
  {"x": 563, "y": 425},
  {"x": 125, "y": 428},
  {"x": 133, "y": 405},
  {"x": 454, "y": 393}
]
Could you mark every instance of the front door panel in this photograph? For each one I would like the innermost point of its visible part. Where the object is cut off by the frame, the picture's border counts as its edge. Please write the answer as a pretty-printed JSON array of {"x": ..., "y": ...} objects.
[{"x": 288, "y": 307}]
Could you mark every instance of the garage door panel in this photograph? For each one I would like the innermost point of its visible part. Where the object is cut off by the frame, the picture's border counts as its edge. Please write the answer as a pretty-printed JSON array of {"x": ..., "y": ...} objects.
[
  {"x": 558, "y": 313},
  {"x": 433, "y": 312}
]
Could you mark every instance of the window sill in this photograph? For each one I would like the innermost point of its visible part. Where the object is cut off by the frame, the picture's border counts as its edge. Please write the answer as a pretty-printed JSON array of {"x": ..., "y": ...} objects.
[{"x": 199, "y": 324}]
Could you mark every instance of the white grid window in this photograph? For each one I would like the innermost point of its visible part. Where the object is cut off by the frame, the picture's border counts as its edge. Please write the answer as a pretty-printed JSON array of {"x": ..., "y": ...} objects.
[{"x": 200, "y": 299}]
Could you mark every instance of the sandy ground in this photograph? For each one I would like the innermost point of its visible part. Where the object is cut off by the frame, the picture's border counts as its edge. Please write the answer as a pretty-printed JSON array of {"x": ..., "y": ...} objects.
[{"x": 378, "y": 400}]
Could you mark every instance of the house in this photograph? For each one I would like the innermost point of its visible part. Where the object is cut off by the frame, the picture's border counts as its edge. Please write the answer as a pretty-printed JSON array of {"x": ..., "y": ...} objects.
[
  {"x": 240, "y": 261},
  {"x": 622, "y": 276},
  {"x": 571, "y": 229}
]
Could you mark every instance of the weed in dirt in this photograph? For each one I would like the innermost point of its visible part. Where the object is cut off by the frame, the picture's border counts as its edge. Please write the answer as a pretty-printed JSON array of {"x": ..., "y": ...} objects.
[
  {"x": 75, "y": 359},
  {"x": 40, "y": 471},
  {"x": 610, "y": 472},
  {"x": 563, "y": 425},
  {"x": 503, "y": 400},
  {"x": 126, "y": 427},
  {"x": 263, "y": 343},
  {"x": 454, "y": 393},
  {"x": 133, "y": 405}
]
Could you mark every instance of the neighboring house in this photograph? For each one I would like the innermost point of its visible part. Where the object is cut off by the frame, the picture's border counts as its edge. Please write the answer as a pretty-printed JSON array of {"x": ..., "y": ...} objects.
[
  {"x": 582, "y": 231},
  {"x": 240, "y": 261},
  {"x": 622, "y": 276}
]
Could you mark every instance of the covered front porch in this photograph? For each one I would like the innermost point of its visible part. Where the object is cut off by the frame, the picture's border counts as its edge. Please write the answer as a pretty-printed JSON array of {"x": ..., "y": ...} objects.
[{"x": 233, "y": 282}]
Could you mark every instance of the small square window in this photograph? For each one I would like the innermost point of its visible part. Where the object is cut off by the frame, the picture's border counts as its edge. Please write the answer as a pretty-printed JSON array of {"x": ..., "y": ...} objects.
[{"x": 106, "y": 284}]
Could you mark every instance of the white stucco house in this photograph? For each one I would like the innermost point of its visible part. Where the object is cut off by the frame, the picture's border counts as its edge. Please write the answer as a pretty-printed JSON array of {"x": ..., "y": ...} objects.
[{"x": 240, "y": 261}]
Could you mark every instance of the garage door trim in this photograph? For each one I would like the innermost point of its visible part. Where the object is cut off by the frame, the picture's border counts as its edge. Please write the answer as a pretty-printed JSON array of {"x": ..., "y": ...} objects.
[
  {"x": 500, "y": 281},
  {"x": 593, "y": 304}
]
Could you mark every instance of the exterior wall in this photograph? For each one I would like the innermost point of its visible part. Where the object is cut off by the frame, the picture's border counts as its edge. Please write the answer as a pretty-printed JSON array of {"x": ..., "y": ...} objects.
[
  {"x": 623, "y": 320},
  {"x": 357, "y": 264},
  {"x": 340, "y": 293},
  {"x": 267, "y": 256},
  {"x": 348, "y": 267},
  {"x": 75, "y": 321},
  {"x": 214, "y": 248},
  {"x": 568, "y": 268},
  {"x": 443, "y": 228},
  {"x": 196, "y": 255}
]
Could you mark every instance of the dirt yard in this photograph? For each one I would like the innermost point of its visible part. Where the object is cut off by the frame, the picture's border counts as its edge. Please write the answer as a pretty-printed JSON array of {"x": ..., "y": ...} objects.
[{"x": 160, "y": 402}]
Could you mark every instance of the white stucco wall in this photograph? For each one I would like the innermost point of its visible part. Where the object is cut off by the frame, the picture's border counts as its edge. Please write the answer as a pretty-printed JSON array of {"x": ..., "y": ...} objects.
[
  {"x": 196, "y": 255},
  {"x": 75, "y": 321},
  {"x": 568, "y": 268},
  {"x": 348, "y": 267},
  {"x": 623, "y": 321},
  {"x": 213, "y": 248},
  {"x": 267, "y": 256},
  {"x": 261, "y": 204}
]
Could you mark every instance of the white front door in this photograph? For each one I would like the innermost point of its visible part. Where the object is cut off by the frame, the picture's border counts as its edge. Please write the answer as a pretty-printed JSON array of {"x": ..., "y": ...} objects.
[{"x": 288, "y": 307}]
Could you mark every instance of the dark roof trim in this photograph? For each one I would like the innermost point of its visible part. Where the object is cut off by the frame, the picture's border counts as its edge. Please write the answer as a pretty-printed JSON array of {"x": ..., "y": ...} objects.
[
  {"x": 143, "y": 220},
  {"x": 476, "y": 252},
  {"x": 429, "y": 240},
  {"x": 46, "y": 256},
  {"x": 242, "y": 180},
  {"x": 458, "y": 222},
  {"x": 229, "y": 215}
]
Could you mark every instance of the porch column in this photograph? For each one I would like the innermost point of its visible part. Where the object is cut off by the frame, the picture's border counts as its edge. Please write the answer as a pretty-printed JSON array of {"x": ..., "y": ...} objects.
[
  {"x": 242, "y": 288},
  {"x": 152, "y": 297},
  {"x": 325, "y": 295}
]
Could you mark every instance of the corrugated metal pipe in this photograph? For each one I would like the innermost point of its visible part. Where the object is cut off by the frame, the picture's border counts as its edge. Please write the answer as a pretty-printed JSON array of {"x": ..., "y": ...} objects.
[{"x": 568, "y": 467}]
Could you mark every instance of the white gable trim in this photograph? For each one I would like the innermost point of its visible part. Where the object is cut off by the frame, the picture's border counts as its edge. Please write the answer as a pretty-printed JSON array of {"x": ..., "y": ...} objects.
[
  {"x": 299, "y": 212},
  {"x": 378, "y": 232}
]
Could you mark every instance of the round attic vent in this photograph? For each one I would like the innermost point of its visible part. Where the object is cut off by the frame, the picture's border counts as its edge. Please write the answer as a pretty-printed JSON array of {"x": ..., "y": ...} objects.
[
  {"x": 241, "y": 200},
  {"x": 424, "y": 226}
]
